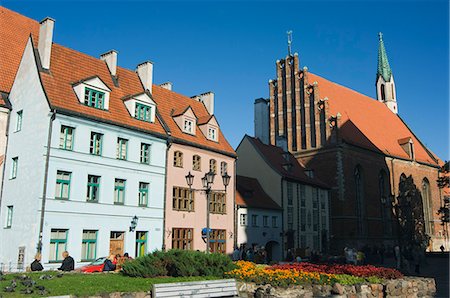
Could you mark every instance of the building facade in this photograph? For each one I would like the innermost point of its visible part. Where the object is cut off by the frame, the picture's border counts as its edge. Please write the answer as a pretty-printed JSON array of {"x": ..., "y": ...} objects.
[
  {"x": 382, "y": 176},
  {"x": 258, "y": 221},
  {"x": 303, "y": 199}
]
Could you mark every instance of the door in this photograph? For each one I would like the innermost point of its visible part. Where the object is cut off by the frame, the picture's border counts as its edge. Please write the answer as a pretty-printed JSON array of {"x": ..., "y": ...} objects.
[{"x": 116, "y": 243}]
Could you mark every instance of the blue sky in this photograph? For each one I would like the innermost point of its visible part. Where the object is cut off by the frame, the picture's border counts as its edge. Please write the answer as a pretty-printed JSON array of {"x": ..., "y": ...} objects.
[{"x": 230, "y": 48}]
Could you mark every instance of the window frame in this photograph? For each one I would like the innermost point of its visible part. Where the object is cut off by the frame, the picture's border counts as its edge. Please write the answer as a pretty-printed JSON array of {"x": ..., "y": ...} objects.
[
  {"x": 65, "y": 129},
  {"x": 96, "y": 143},
  {"x": 185, "y": 240},
  {"x": 243, "y": 219},
  {"x": 90, "y": 192},
  {"x": 120, "y": 149},
  {"x": 19, "y": 120},
  {"x": 14, "y": 167},
  {"x": 139, "y": 242},
  {"x": 218, "y": 241},
  {"x": 146, "y": 109},
  {"x": 9, "y": 216},
  {"x": 197, "y": 163},
  {"x": 63, "y": 182},
  {"x": 274, "y": 221},
  {"x": 179, "y": 201},
  {"x": 89, "y": 241},
  {"x": 254, "y": 220},
  {"x": 145, "y": 150},
  {"x": 57, "y": 241},
  {"x": 188, "y": 129},
  {"x": 212, "y": 134},
  {"x": 120, "y": 189},
  {"x": 178, "y": 159},
  {"x": 223, "y": 168},
  {"x": 94, "y": 103},
  {"x": 143, "y": 192},
  {"x": 213, "y": 165},
  {"x": 217, "y": 202}
]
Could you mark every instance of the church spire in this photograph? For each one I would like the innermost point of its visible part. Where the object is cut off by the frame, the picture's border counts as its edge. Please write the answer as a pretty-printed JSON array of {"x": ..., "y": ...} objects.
[
  {"x": 384, "y": 69},
  {"x": 385, "y": 84}
]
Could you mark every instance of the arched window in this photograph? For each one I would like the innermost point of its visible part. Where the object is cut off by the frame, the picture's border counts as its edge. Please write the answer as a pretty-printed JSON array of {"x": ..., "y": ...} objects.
[
  {"x": 427, "y": 207},
  {"x": 383, "y": 93},
  {"x": 359, "y": 192},
  {"x": 213, "y": 166},
  {"x": 196, "y": 163},
  {"x": 223, "y": 168},
  {"x": 386, "y": 204},
  {"x": 178, "y": 159}
]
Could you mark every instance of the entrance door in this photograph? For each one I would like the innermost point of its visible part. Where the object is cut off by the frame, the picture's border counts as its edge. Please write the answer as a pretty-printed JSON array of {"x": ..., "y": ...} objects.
[{"x": 116, "y": 243}]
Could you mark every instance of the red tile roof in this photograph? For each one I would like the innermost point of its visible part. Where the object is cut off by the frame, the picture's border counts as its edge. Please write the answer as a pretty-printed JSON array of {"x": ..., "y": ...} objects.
[
  {"x": 249, "y": 193},
  {"x": 368, "y": 123},
  {"x": 284, "y": 163},
  {"x": 68, "y": 66},
  {"x": 14, "y": 32}
]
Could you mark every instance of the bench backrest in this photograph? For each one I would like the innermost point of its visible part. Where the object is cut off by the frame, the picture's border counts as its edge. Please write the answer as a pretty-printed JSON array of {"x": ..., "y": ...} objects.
[{"x": 197, "y": 289}]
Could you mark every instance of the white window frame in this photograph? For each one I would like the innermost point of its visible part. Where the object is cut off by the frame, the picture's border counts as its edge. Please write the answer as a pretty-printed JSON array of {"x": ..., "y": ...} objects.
[
  {"x": 9, "y": 216},
  {"x": 212, "y": 133},
  {"x": 19, "y": 120},
  {"x": 14, "y": 167},
  {"x": 188, "y": 128},
  {"x": 243, "y": 219}
]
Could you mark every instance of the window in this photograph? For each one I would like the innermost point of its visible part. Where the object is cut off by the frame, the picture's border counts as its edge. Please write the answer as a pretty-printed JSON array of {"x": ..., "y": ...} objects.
[
  {"x": 58, "y": 243},
  {"x": 182, "y": 238},
  {"x": 96, "y": 143},
  {"x": 290, "y": 194},
  {"x": 183, "y": 199},
  {"x": 94, "y": 98},
  {"x": 9, "y": 216},
  {"x": 196, "y": 163},
  {"x": 119, "y": 191},
  {"x": 427, "y": 207},
  {"x": 188, "y": 126},
  {"x": 212, "y": 134},
  {"x": 14, "y": 166},
  {"x": 143, "y": 194},
  {"x": 19, "y": 120},
  {"x": 93, "y": 188},
  {"x": 66, "y": 138},
  {"x": 223, "y": 168},
  {"x": 178, "y": 159},
  {"x": 141, "y": 244},
  {"x": 218, "y": 203},
  {"x": 302, "y": 196},
  {"x": 274, "y": 222},
  {"x": 303, "y": 219},
  {"x": 265, "y": 221},
  {"x": 145, "y": 153},
  {"x": 254, "y": 220},
  {"x": 143, "y": 112},
  {"x": 213, "y": 166},
  {"x": 89, "y": 245},
  {"x": 62, "y": 185},
  {"x": 243, "y": 219},
  {"x": 290, "y": 217},
  {"x": 217, "y": 241},
  {"x": 122, "y": 145},
  {"x": 359, "y": 183},
  {"x": 383, "y": 94}
]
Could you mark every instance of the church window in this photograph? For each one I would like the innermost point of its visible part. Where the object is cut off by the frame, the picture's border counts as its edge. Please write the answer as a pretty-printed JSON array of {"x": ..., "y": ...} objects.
[
  {"x": 427, "y": 207},
  {"x": 383, "y": 94},
  {"x": 359, "y": 191}
]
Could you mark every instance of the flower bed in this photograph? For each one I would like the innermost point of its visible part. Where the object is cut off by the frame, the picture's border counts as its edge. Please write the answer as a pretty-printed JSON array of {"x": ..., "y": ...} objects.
[
  {"x": 285, "y": 275},
  {"x": 360, "y": 271}
]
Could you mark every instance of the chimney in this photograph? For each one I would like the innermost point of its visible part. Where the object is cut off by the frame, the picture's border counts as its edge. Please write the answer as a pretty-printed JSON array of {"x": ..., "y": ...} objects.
[
  {"x": 167, "y": 85},
  {"x": 111, "y": 60},
  {"x": 45, "y": 41},
  {"x": 145, "y": 73},
  {"x": 207, "y": 99},
  {"x": 261, "y": 120}
]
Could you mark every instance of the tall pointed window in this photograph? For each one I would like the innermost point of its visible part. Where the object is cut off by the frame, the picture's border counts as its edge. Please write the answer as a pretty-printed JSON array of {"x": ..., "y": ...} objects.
[
  {"x": 427, "y": 207},
  {"x": 386, "y": 203},
  {"x": 383, "y": 92},
  {"x": 359, "y": 194}
]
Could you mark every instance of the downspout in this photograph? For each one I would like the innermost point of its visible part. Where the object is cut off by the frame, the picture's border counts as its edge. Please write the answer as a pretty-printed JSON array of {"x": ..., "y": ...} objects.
[
  {"x": 235, "y": 208},
  {"x": 44, "y": 191},
  {"x": 4, "y": 158},
  {"x": 169, "y": 144}
]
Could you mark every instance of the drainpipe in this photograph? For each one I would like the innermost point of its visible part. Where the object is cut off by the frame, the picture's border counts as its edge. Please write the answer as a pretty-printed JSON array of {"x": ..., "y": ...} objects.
[
  {"x": 235, "y": 218},
  {"x": 44, "y": 191},
  {"x": 169, "y": 144}
]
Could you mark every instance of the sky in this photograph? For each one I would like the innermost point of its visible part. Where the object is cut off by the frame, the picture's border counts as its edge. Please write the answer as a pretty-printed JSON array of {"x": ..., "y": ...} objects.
[{"x": 231, "y": 47}]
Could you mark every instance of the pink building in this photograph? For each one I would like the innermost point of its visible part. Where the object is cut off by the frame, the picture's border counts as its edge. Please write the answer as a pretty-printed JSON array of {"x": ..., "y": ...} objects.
[{"x": 196, "y": 146}]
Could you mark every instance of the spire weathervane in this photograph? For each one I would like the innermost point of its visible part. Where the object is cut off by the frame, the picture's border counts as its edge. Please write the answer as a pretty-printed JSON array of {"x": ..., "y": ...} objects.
[{"x": 289, "y": 41}]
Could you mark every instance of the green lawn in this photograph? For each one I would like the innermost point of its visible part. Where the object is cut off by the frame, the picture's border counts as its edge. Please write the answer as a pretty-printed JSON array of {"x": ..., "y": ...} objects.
[{"x": 88, "y": 284}]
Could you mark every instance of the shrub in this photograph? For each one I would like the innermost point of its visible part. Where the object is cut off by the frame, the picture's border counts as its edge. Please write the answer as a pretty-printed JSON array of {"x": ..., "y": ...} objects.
[{"x": 179, "y": 263}]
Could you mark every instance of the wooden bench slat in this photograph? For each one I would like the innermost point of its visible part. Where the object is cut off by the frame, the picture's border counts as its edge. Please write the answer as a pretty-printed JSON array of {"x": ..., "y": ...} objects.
[
  {"x": 196, "y": 291},
  {"x": 190, "y": 287},
  {"x": 196, "y": 282},
  {"x": 209, "y": 288}
]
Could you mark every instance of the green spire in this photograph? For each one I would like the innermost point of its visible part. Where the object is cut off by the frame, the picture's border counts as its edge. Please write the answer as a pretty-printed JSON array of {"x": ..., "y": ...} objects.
[{"x": 383, "y": 69}]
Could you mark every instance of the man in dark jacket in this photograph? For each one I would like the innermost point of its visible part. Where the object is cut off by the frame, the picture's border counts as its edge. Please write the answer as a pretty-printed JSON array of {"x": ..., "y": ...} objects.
[
  {"x": 36, "y": 264},
  {"x": 68, "y": 263}
]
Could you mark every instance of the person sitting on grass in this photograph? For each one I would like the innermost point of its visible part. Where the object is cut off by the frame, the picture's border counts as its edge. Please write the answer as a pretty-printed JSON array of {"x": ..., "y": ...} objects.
[
  {"x": 36, "y": 264},
  {"x": 68, "y": 264},
  {"x": 109, "y": 265}
]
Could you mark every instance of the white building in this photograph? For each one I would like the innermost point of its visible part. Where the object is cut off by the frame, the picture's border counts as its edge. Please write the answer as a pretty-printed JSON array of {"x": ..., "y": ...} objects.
[
  {"x": 303, "y": 198},
  {"x": 104, "y": 167},
  {"x": 258, "y": 218}
]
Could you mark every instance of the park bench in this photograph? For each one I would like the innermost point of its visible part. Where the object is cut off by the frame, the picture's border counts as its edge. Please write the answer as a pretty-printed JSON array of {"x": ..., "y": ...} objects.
[{"x": 196, "y": 289}]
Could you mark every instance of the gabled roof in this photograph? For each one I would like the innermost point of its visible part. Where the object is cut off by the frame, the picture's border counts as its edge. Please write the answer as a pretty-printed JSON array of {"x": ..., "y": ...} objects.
[
  {"x": 250, "y": 194},
  {"x": 284, "y": 163},
  {"x": 14, "y": 32},
  {"x": 368, "y": 123}
]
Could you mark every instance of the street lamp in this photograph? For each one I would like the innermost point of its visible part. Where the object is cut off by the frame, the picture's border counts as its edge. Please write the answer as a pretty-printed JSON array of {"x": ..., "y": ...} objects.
[
  {"x": 133, "y": 223},
  {"x": 207, "y": 182}
]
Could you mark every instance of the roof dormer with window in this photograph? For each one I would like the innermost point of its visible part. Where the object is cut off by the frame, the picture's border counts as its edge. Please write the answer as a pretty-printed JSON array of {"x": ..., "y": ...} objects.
[
  {"x": 186, "y": 120},
  {"x": 407, "y": 145},
  {"x": 141, "y": 107},
  {"x": 210, "y": 128},
  {"x": 93, "y": 92}
]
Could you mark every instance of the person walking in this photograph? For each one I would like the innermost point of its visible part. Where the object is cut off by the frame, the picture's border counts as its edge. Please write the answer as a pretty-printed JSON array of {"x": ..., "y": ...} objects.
[
  {"x": 36, "y": 264},
  {"x": 68, "y": 264}
]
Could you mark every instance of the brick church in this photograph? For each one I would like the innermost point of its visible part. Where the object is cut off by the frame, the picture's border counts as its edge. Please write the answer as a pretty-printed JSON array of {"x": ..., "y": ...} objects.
[{"x": 382, "y": 177}]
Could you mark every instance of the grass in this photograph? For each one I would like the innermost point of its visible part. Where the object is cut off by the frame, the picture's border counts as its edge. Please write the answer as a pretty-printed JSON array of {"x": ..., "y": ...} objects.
[{"x": 89, "y": 284}]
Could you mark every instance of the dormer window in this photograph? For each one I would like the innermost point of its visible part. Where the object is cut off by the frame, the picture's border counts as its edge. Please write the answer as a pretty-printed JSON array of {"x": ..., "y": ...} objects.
[
  {"x": 94, "y": 98},
  {"x": 212, "y": 133},
  {"x": 188, "y": 126},
  {"x": 407, "y": 145},
  {"x": 143, "y": 112}
]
